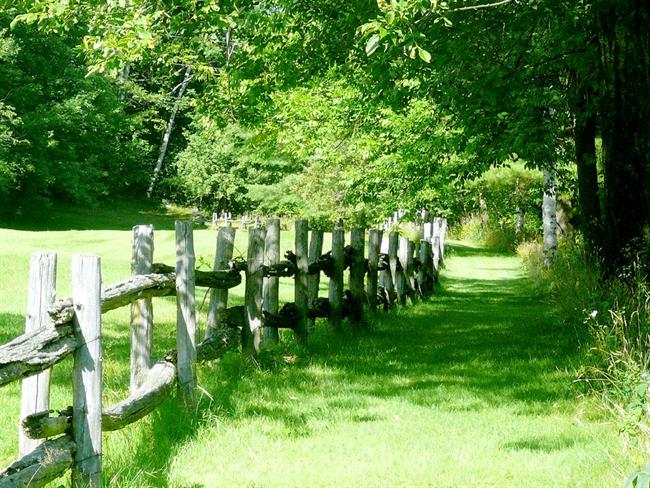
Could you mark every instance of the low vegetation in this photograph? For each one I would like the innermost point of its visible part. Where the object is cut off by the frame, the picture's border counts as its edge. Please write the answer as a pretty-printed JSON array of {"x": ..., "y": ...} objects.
[
  {"x": 610, "y": 320},
  {"x": 480, "y": 393}
]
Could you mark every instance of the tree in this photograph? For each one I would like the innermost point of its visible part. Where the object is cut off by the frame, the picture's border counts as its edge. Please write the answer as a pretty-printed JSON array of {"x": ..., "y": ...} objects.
[{"x": 539, "y": 72}]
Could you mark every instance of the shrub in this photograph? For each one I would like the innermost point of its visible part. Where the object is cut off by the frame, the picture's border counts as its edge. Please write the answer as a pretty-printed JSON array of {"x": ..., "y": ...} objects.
[{"x": 498, "y": 236}]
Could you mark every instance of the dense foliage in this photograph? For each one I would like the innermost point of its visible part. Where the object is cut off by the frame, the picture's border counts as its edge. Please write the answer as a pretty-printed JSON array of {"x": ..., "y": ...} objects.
[
  {"x": 331, "y": 109},
  {"x": 65, "y": 136}
]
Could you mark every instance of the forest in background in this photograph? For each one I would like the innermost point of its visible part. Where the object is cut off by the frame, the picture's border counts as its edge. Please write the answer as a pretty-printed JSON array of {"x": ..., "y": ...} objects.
[
  {"x": 333, "y": 110},
  {"x": 504, "y": 116}
]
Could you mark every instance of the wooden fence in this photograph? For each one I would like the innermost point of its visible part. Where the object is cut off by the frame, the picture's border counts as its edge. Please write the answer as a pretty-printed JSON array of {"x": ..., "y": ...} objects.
[{"x": 395, "y": 270}]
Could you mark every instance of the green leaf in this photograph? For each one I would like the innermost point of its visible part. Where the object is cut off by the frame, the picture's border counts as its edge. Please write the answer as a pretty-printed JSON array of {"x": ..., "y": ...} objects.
[
  {"x": 424, "y": 55},
  {"x": 372, "y": 44}
]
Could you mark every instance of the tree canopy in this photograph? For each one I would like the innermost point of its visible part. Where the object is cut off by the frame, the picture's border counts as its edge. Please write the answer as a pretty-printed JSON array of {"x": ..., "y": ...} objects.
[{"x": 344, "y": 109}]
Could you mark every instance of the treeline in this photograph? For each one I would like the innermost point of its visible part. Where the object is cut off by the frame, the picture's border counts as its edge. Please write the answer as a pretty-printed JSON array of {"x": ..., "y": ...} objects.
[
  {"x": 281, "y": 116},
  {"x": 65, "y": 136},
  {"x": 333, "y": 109}
]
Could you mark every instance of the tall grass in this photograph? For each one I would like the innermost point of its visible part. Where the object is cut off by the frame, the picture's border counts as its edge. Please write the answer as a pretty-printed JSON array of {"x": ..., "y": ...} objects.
[
  {"x": 611, "y": 319},
  {"x": 499, "y": 236}
]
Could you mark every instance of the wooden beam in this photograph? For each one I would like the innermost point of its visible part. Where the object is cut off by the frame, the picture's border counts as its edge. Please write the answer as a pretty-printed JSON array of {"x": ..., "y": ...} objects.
[
  {"x": 44, "y": 464},
  {"x": 35, "y": 394},
  {"x": 87, "y": 372},
  {"x": 357, "y": 272},
  {"x": 301, "y": 280},
  {"x": 141, "y": 310},
  {"x": 185, "y": 314},
  {"x": 220, "y": 279},
  {"x": 254, "y": 288},
  {"x": 315, "y": 251},
  {"x": 374, "y": 243},
  {"x": 156, "y": 386},
  {"x": 219, "y": 296},
  {"x": 335, "y": 292},
  {"x": 272, "y": 282}
]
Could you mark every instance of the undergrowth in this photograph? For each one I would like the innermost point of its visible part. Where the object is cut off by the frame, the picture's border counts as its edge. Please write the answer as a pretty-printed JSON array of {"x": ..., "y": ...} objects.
[
  {"x": 497, "y": 235},
  {"x": 611, "y": 319}
]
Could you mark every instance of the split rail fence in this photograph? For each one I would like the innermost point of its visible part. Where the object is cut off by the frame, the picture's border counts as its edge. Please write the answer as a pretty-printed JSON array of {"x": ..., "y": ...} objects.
[{"x": 395, "y": 270}]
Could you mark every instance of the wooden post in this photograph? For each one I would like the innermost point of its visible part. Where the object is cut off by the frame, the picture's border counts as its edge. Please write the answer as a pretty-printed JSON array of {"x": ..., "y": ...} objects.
[
  {"x": 219, "y": 297},
  {"x": 252, "y": 332},
  {"x": 357, "y": 272},
  {"x": 436, "y": 257},
  {"x": 315, "y": 251},
  {"x": 87, "y": 372},
  {"x": 185, "y": 313},
  {"x": 142, "y": 310},
  {"x": 35, "y": 396},
  {"x": 301, "y": 280},
  {"x": 335, "y": 292},
  {"x": 443, "y": 235},
  {"x": 270, "y": 335},
  {"x": 435, "y": 228},
  {"x": 396, "y": 274},
  {"x": 374, "y": 243},
  {"x": 425, "y": 275},
  {"x": 385, "y": 276},
  {"x": 406, "y": 249},
  {"x": 428, "y": 231}
]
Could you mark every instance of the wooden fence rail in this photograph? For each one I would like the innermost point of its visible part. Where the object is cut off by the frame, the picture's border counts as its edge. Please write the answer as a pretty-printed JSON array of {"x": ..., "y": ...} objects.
[{"x": 50, "y": 443}]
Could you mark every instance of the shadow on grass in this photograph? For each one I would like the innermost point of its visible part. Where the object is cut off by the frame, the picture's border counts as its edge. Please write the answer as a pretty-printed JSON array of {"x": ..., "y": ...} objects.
[
  {"x": 110, "y": 216},
  {"x": 478, "y": 343}
]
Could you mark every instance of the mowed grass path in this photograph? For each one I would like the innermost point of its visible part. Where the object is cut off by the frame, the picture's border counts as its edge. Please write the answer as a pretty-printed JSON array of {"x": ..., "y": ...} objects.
[{"x": 472, "y": 388}]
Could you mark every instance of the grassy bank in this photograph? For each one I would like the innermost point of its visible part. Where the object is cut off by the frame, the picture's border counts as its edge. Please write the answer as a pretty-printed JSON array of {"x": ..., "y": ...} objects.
[{"x": 471, "y": 388}]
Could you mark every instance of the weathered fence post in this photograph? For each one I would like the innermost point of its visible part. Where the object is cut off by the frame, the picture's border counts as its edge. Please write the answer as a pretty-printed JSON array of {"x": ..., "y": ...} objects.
[
  {"x": 219, "y": 297},
  {"x": 428, "y": 231},
  {"x": 35, "y": 396},
  {"x": 335, "y": 291},
  {"x": 142, "y": 310},
  {"x": 385, "y": 276},
  {"x": 395, "y": 267},
  {"x": 87, "y": 372},
  {"x": 254, "y": 285},
  {"x": 185, "y": 313},
  {"x": 436, "y": 257},
  {"x": 357, "y": 272},
  {"x": 302, "y": 280},
  {"x": 315, "y": 251},
  {"x": 406, "y": 260},
  {"x": 374, "y": 242},
  {"x": 270, "y": 335},
  {"x": 443, "y": 235},
  {"x": 425, "y": 274},
  {"x": 437, "y": 233}
]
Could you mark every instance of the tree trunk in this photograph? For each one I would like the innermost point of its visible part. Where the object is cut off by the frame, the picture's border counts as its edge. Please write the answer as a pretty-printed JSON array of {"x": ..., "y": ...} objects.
[
  {"x": 549, "y": 216},
  {"x": 520, "y": 222},
  {"x": 624, "y": 40},
  {"x": 168, "y": 131},
  {"x": 588, "y": 191}
]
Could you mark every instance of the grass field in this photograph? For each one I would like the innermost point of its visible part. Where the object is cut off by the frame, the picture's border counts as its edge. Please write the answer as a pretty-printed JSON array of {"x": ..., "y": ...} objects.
[{"x": 472, "y": 388}]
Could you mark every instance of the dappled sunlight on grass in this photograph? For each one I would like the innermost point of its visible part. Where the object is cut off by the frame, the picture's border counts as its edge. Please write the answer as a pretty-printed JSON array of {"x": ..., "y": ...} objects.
[{"x": 473, "y": 387}]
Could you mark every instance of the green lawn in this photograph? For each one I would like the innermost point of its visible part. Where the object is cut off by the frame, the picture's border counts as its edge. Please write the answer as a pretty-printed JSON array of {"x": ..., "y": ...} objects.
[{"x": 473, "y": 388}]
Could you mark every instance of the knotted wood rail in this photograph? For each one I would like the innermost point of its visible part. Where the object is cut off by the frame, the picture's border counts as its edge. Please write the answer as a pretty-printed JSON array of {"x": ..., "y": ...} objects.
[{"x": 395, "y": 270}]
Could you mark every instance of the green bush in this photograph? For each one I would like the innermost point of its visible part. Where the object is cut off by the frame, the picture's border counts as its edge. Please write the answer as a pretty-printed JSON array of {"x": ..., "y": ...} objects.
[{"x": 497, "y": 236}]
